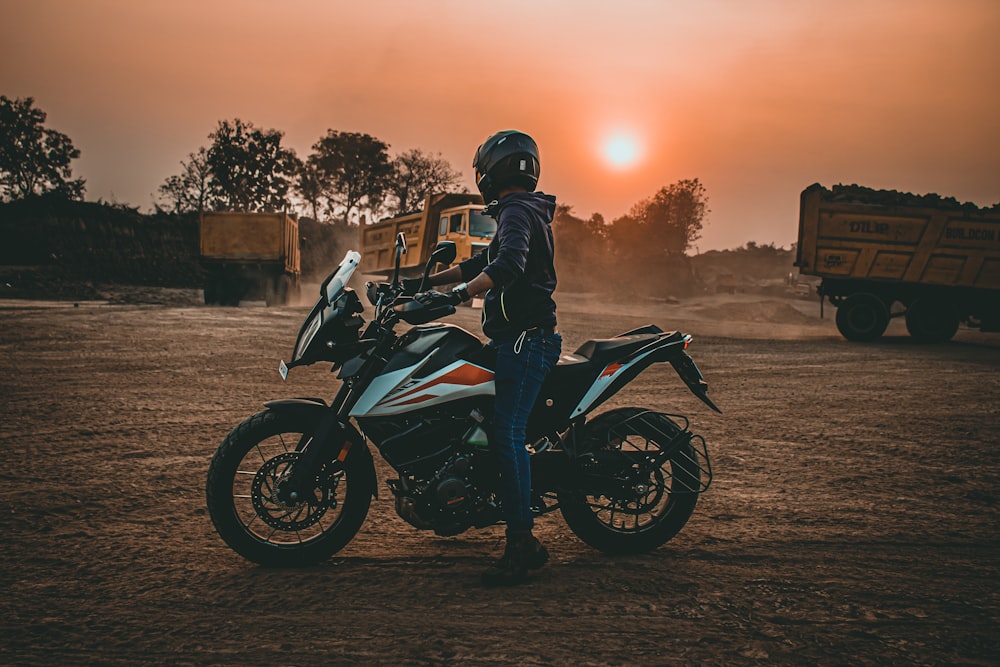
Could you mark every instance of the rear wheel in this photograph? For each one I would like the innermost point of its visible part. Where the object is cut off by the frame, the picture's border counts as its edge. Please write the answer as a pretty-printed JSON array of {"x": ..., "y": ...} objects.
[
  {"x": 211, "y": 290},
  {"x": 229, "y": 288},
  {"x": 931, "y": 320},
  {"x": 862, "y": 317},
  {"x": 248, "y": 509},
  {"x": 278, "y": 290},
  {"x": 661, "y": 500}
]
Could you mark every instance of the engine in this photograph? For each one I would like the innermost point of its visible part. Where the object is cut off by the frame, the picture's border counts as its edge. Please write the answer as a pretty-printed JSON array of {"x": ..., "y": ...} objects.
[{"x": 458, "y": 495}]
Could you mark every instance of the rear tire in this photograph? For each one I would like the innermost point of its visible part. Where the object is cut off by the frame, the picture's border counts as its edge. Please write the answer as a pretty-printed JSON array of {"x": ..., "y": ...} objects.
[
  {"x": 278, "y": 290},
  {"x": 931, "y": 320},
  {"x": 862, "y": 317},
  {"x": 230, "y": 290},
  {"x": 211, "y": 290},
  {"x": 271, "y": 290},
  {"x": 643, "y": 523},
  {"x": 242, "y": 501}
]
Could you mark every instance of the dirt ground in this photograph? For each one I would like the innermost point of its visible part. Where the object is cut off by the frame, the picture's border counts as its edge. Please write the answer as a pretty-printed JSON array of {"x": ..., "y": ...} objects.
[{"x": 853, "y": 517}]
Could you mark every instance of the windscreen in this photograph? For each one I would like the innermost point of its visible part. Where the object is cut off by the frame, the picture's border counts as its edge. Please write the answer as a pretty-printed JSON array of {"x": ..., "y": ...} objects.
[
  {"x": 343, "y": 274},
  {"x": 481, "y": 225}
]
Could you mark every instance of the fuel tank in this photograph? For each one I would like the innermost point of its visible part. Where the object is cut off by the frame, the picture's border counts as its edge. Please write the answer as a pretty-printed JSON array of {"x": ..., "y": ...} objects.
[{"x": 451, "y": 342}]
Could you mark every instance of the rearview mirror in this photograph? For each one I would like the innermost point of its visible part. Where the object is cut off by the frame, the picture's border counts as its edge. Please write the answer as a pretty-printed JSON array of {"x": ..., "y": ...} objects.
[
  {"x": 444, "y": 253},
  {"x": 400, "y": 251}
]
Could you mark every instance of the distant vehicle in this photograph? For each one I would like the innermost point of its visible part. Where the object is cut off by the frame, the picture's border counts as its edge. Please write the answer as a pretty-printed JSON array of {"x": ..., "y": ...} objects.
[
  {"x": 445, "y": 217},
  {"x": 252, "y": 256},
  {"x": 873, "y": 248}
]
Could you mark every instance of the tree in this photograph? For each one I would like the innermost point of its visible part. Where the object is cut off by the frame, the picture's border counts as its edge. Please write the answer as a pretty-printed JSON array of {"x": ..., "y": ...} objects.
[
  {"x": 416, "y": 174},
  {"x": 667, "y": 223},
  {"x": 191, "y": 189},
  {"x": 34, "y": 159},
  {"x": 352, "y": 169},
  {"x": 250, "y": 169},
  {"x": 309, "y": 187},
  {"x": 581, "y": 257}
]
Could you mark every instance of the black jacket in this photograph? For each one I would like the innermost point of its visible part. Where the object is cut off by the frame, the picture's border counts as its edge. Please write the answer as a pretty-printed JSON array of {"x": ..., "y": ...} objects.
[{"x": 519, "y": 260}]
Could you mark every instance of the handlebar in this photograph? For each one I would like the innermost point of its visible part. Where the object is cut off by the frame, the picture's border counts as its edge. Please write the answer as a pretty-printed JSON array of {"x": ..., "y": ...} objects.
[{"x": 413, "y": 311}]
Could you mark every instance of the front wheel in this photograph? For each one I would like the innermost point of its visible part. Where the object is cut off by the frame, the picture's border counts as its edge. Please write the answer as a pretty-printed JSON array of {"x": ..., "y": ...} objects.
[
  {"x": 249, "y": 512},
  {"x": 663, "y": 498}
]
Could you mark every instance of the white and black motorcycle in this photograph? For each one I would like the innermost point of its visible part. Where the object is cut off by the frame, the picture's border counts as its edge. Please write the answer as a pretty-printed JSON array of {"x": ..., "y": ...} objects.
[{"x": 292, "y": 484}]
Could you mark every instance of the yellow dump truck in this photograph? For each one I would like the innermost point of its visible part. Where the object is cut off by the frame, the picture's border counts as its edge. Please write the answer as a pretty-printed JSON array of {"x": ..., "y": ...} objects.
[
  {"x": 250, "y": 256},
  {"x": 445, "y": 217},
  {"x": 936, "y": 258}
]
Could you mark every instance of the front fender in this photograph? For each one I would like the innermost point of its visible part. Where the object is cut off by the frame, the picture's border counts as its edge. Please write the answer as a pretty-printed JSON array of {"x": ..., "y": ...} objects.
[{"x": 311, "y": 410}]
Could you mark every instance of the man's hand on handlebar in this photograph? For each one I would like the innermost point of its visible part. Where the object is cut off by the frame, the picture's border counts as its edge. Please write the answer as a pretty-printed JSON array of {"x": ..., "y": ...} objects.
[{"x": 432, "y": 299}]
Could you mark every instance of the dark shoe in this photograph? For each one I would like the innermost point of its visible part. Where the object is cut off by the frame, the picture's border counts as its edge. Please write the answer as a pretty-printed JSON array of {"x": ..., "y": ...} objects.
[{"x": 523, "y": 552}]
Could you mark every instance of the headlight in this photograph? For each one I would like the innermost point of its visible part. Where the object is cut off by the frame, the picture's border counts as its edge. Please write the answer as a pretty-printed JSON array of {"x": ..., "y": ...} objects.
[{"x": 307, "y": 336}]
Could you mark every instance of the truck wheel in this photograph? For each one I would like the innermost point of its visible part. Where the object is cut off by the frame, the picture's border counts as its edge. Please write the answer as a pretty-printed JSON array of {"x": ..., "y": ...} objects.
[
  {"x": 271, "y": 290},
  {"x": 931, "y": 320},
  {"x": 278, "y": 290},
  {"x": 862, "y": 317},
  {"x": 211, "y": 290},
  {"x": 230, "y": 291}
]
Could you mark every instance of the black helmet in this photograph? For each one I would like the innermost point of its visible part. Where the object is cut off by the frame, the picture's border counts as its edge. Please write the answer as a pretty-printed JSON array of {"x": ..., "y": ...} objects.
[{"x": 506, "y": 158}]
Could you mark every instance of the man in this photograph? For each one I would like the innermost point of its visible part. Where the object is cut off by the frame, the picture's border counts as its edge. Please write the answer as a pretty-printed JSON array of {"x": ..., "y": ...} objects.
[{"x": 516, "y": 273}]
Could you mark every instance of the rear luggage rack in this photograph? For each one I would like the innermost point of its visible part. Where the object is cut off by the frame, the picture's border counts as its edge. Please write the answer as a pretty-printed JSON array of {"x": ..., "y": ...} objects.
[{"x": 693, "y": 472}]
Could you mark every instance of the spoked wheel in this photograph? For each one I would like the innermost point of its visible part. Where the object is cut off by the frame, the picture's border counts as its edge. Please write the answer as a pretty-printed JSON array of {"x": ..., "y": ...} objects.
[
  {"x": 251, "y": 507},
  {"x": 658, "y": 502}
]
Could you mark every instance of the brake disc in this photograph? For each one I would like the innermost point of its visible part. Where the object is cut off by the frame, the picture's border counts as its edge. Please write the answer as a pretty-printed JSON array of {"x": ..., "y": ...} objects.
[{"x": 284, "y": 516}]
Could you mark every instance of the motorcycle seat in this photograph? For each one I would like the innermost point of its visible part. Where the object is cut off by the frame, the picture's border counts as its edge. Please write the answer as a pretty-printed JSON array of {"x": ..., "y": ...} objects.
[{"x": 603, "y": 350}]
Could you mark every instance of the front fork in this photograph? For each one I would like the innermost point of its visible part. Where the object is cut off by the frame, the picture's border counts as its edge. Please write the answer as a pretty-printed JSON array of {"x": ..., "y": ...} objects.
[
  {"x": 313, "y": 455},
  {"x": 312, "y": 447}
]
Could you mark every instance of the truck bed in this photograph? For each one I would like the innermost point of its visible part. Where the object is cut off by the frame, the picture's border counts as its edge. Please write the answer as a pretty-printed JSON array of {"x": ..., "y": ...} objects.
[
  {"x": 250, "y": 238},
  {"x": 851, "y": 232}
]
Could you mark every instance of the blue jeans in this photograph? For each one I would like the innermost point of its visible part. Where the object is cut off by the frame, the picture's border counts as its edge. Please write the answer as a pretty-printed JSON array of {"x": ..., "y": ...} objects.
[{"x": 520, "y": 371}]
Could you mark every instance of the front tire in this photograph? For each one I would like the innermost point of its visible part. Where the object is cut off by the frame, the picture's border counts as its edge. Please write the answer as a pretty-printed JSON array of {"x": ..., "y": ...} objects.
[
  {"x": 648, "y": 519},
  {"x": 245, "y": 507}
]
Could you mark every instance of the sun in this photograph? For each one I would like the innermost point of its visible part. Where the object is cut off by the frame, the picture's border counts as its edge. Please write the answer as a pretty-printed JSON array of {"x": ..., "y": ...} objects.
[{"x": 621, "y": 150}]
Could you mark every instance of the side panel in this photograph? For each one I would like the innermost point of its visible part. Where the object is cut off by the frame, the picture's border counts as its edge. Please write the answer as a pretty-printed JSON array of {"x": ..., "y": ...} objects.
[
  {"x": 399, "y": 392},
  {"x": 612, "y": 373},
  {"x": 382, "y": 386}
]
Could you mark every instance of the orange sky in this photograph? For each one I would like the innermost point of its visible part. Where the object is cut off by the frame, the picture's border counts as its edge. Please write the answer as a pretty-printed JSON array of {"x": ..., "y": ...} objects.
[{"x": 757, "y": 98}]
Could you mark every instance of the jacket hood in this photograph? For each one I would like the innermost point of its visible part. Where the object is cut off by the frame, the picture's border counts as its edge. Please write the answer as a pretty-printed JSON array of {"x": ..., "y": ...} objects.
[{"x": 542, "y": 204}]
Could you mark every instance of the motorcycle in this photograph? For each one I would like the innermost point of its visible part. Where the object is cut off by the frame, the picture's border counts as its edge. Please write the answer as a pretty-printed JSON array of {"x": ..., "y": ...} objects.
[{"x": 292, "y": 484}]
